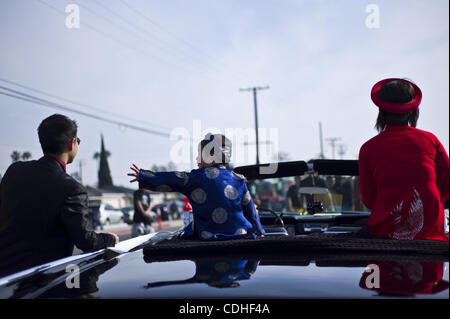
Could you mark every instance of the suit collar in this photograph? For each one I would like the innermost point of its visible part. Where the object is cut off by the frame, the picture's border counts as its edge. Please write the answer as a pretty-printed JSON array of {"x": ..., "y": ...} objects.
[{"x": 54, "y": 161}]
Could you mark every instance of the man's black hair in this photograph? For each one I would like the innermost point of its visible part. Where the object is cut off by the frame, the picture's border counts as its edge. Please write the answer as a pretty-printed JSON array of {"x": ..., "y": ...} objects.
[{"x": 55, "y": 132}]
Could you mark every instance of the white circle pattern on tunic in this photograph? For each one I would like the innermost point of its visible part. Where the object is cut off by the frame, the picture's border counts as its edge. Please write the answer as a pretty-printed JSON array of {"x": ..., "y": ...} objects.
[
  {"x": 163, "y": 188},
  {"x": 240, "y": 231},
  {"x": 212, "y": 172},
  {"x": 219, "y": 215},
  {"x": 231, "y": 192},
  {"x": 247, "y": 198},
  {"x": 183, "y": 175},
  {"x": 198, "y": 195},
  {"x": 206, "y": 234}
]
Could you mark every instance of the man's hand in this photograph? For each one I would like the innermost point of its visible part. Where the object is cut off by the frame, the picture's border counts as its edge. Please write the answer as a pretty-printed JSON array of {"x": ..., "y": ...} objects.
[
  {"x": 135, "y": 173},
  {"x": 116, "y": 238}
]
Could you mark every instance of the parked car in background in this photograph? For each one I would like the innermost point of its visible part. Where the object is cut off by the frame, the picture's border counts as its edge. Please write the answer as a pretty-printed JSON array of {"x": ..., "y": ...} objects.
[
  {"x": 110, "y": 215},
  {"x": 128, "y": 214}
]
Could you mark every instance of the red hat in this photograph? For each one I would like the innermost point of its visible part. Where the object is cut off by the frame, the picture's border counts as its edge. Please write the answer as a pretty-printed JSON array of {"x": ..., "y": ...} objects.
[{"x": 398, "y": 108}]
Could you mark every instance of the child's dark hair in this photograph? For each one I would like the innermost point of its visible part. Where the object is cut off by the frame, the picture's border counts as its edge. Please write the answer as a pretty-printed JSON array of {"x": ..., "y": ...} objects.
[
  {"x": 55, "y": 132},
  {"x": 223, "y": 142},
  {"x": 398, "y": 92}
]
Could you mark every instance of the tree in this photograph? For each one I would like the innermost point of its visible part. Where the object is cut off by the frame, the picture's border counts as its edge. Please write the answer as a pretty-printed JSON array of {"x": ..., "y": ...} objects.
[
  {"x": 157, "y": 168},
  {"x": 283, "y": 157},
  {"x": 104, "y": 174},
  {"x": 15, "y": 156},
  {"x": 171, "y": 166},
  {"x": 26, "y": 156}
]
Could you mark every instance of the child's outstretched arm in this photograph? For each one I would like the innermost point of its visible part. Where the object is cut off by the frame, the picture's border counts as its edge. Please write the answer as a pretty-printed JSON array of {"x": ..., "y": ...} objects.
[
  {"x": 159, "y": 181},
  {"x": 249, "y": 210}
]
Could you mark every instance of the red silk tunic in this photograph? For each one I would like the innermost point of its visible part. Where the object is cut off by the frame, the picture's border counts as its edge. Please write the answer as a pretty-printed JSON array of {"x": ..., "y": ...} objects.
[{"x": 404, "y": 180}]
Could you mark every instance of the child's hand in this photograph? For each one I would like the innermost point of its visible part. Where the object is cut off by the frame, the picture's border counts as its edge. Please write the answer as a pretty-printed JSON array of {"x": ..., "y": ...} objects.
[{"x": 135, "y": 173}]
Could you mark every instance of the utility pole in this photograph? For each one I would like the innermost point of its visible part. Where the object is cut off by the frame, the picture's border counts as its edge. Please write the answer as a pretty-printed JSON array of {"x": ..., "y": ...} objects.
[
  {"x": 322, "y": 156},
  {"x": 255, "y": 89},
  {"x": 342, "y": 150},
  {"x": 332, "y": 141},
  {"x": 80, "y": 165}
]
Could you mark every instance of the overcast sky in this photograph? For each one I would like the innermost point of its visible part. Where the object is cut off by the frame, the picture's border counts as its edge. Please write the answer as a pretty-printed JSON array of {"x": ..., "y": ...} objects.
[{"x": 162, "y": 65}]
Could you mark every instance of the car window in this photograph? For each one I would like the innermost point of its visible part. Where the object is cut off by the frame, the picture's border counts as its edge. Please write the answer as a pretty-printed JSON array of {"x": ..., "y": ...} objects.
[{"x": 337, "y": 193}]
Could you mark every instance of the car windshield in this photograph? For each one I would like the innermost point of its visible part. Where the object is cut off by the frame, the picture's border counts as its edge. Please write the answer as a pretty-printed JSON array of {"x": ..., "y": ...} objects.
[{"x": 335, "y": 193}]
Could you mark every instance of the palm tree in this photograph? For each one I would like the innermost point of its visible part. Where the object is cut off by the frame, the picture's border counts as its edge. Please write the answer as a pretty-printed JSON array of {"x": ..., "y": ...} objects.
[
  {"x": 15, "y": 156},
  {"x": 26, "y": 156}
]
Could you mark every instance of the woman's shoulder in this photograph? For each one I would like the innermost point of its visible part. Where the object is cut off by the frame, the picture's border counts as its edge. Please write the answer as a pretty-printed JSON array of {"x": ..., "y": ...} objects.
[
  {"x": 425, "y": 134},
  {"x": 369, "y": 144}
]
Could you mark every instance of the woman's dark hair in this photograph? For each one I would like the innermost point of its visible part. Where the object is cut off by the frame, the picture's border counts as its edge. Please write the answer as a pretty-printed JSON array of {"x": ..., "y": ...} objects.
[
  {"x": 55, "y": 132},
  {"x": 223, "y": 141},
  {"x": 398, "y": 92}
]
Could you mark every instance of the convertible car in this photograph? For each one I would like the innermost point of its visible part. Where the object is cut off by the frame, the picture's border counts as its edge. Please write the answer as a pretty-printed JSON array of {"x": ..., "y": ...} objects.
[{"x": 314, "y": 247}]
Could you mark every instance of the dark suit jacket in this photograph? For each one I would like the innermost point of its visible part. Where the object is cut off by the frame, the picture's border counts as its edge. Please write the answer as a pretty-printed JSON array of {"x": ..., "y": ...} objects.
[{"x": 43, "y": 213}]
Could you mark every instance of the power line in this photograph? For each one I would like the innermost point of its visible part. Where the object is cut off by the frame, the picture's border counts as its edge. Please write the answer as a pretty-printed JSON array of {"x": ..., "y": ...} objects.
[
  {"x": 128, "y": 31},
  {"x": 167, "y": 46},
  {"x": 146, "y": 54},
  {"x": 184, "y": 42},
  {"x": 33, "y": 99},
  {"x": 78, "y": 103},
  {"x": 239, "y": 75},
  {"x": 137, "y": 49},
  {"x": 162, "y": 44},
  {"x": 172, "y": 34}
]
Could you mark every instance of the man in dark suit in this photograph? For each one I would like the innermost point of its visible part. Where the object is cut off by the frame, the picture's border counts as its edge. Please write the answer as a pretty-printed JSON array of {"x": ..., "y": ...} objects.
[{"x": 45, "y": 224}]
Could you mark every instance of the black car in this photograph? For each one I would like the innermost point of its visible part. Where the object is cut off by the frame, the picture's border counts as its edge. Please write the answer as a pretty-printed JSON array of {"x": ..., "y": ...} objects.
[{"x": 314, "y": 252}]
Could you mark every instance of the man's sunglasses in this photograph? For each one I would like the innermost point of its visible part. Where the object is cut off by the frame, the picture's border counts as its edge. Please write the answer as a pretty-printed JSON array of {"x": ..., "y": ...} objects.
[{"x": 78, "y": 140}]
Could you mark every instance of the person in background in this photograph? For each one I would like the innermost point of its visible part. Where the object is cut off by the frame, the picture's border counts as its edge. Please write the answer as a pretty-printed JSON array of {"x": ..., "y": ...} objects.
[
  {"x": 310, "y": 181},
  {"x": 404, "y": 171},
  {"x": 222, "y": 205},
  {"x": 53, "y": 218},
  {"x": 142, "y": 219},
  {"x": 187, "y": 211},
  {"x": 293, "y": 197}
]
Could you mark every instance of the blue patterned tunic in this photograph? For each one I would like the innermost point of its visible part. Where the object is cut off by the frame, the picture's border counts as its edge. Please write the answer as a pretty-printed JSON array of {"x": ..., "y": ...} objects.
[{"x": 222, "y": 205}]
